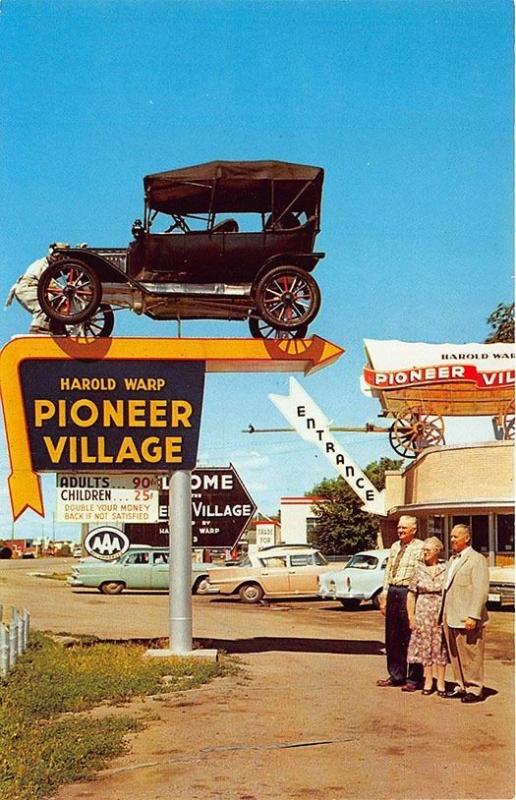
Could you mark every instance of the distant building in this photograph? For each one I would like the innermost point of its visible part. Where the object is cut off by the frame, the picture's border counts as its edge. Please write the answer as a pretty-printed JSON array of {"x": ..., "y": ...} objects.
[
  {"x": 298, "y": 518},
  {"x": 447, "y": 485}
]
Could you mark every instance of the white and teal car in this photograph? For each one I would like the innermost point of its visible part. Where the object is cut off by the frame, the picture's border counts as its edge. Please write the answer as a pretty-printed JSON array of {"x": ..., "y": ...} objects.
[
  {"x": 139, "y": 568},
  {"x": 361, "y": 579}
]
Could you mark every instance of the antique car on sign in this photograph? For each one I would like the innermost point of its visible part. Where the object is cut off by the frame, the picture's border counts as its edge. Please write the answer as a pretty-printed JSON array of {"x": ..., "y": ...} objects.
[
  {"x": 190, "y": 260},
  {"x": 276, "y": 571},
  {"x": 361, "y": 579},
  {"x": 139, "y": 568}
]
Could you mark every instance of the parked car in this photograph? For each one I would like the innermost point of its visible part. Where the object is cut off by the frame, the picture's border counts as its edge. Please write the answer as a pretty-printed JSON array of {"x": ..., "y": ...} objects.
[
  {"x": 277, "y": 571},
  {"x": 139, "y": 568},
  {"x": 501, "y": 586},
  {"x": 361, "y": 579},
  {"x": 189, "y": 260},
  {"x": 77, "y": 551}
]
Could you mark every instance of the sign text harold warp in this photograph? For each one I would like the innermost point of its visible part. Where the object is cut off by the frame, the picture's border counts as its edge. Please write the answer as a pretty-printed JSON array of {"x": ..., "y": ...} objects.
[{"x": 117, "y": 416}]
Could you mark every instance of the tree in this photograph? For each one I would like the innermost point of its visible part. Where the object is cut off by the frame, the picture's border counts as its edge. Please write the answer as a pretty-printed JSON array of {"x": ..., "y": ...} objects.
[
  {"x": 502, "y": 322},
  {"x": 342, "y": 527}
]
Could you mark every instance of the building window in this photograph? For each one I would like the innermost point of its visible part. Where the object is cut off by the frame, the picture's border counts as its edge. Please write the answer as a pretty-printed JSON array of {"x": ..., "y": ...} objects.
[
  {"x": 436, "y": 527},
  {"x": 505, "y": 533},
  {"x": 480, "y": 533},
  {"x": 311, "y": 525},
  {"x": 479, "y": 526}
]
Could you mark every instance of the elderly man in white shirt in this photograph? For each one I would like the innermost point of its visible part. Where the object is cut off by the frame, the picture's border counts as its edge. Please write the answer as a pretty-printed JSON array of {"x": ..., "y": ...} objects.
[{"x": 404, "y": 556}]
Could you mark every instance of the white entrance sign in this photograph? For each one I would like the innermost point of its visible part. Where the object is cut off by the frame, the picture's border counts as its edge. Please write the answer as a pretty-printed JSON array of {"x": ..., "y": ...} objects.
[
  {"x": 83, "y": 497},
  {"x": 312, "y": 425}
]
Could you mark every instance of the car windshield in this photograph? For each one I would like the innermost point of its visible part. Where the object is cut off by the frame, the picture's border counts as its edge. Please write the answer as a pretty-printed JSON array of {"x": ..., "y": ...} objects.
[{"x": 362, "y": 561}]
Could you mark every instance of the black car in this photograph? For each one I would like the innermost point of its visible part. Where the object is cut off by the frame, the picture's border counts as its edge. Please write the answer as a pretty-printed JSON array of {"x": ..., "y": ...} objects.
[{"x": 222, "y": 240}]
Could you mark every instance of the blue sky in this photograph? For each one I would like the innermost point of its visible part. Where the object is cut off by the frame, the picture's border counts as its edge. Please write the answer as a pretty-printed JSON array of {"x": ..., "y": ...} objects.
[{"x": 406, "y": 105}]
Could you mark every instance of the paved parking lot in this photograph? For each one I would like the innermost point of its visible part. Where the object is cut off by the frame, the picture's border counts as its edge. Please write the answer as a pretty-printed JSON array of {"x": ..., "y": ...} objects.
[{"x": 305, "y": 720}]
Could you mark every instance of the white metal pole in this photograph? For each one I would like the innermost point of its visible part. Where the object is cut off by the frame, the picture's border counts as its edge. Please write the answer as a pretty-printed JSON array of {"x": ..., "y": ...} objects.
[{"x": 180, "y": 561}]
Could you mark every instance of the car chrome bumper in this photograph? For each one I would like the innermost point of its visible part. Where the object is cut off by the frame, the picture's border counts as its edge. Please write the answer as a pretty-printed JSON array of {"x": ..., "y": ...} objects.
[
  {"x": 326, "y": 594},
  {"x": 502, "y": 594}
]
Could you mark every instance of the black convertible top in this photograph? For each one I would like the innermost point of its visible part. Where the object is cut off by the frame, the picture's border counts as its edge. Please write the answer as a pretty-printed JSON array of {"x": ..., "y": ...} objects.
[{"x": 232, "y": 186}]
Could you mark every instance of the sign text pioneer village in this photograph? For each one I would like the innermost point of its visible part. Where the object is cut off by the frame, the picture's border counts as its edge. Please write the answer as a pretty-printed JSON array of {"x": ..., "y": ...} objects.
[{"x": 150, "y": 421}]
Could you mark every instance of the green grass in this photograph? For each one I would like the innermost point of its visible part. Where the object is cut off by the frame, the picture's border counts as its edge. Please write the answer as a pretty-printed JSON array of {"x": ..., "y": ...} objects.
[{"x": 39, "y": 748}]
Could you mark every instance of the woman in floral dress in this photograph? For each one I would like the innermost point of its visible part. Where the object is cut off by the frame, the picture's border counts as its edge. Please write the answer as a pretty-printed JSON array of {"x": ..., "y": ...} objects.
[{"x": 427, "y": 645}]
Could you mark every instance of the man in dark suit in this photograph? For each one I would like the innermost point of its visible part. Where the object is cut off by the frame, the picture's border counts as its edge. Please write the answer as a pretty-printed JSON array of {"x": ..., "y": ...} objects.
[{"x": 463, "y": 613}]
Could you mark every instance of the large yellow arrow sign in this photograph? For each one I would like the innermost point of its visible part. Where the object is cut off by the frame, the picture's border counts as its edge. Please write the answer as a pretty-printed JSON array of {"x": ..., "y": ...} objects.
[{"x": 219, "y": 355}]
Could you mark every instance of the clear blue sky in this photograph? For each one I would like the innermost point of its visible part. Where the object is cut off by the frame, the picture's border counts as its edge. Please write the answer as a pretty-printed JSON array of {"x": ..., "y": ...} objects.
[{"x": 407, "y": 106}]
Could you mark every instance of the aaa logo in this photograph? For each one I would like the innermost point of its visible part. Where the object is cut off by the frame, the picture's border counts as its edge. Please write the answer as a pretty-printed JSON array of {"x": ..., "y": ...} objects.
[{"x": 106, "y": 543}]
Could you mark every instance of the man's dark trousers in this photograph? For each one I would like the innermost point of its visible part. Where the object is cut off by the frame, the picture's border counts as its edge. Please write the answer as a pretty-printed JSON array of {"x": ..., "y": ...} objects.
[{"x": 397, "y": 638}]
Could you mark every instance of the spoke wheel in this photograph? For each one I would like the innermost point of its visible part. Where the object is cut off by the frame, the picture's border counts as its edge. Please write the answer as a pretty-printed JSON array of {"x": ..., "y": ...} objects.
[
  {"x": 413, "y": 430},
  {"x": 508, "y": 421},
  {"x": 99, "y": 325},
  {"x": 69, "y": 292},
  {"x": 287, "y": 298},
  {"x": 262, "y": 330}
]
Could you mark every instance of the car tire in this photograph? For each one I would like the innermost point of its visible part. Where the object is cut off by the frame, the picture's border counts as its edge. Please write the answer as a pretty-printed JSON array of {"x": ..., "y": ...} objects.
[
  {"x": 111, "y": 587},
  {"x": 350, "y": 605},
  {"x": 375, "y": 599},
  {"x": 201, "y": 585},
  {"x": 69, "y": 291},
  {"x": 99, "y": 325},
  {"x": 251, "y": 593},
  {"x": 287, "y": 297}
]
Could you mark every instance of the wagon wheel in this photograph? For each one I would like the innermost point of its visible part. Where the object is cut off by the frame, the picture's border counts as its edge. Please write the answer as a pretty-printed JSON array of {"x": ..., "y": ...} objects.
[
  {"x": 414, "y": 429},
  {"x": 100, "y": 324},
  {"x": 69, "y": 292},
  {"x": 508, "y": 421},
  {"x": 262, "y": 330},
  {"x": 287, "y": 297}
]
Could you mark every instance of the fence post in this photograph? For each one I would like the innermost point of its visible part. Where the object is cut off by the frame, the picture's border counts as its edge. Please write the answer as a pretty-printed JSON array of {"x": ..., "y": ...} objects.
[
  {"x": 4, "y": 650},
  {"x": 12, "y": 644},
  {"x": 19, "y": 634},
  {"x": 26, "y": 626}
]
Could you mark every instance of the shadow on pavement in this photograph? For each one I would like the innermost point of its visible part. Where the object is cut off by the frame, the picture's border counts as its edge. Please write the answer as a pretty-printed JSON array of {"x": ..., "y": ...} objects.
[{"x": 265, "y": 644}]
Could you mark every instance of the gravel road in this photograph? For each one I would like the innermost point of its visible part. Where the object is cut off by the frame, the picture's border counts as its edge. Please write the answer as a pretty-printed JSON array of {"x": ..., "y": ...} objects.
[{"x": 305, "y": 721}]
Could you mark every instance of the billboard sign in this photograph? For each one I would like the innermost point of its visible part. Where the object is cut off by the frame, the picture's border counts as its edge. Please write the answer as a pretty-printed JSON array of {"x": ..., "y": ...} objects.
[
  {"x": 114, "y": 416},
  {"x": 85, "y": 497},
  {"x": 221, "y": 510}
]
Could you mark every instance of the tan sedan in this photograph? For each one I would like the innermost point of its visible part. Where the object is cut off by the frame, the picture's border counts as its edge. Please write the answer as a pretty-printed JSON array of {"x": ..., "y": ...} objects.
[{"x": 279, "y": 571}]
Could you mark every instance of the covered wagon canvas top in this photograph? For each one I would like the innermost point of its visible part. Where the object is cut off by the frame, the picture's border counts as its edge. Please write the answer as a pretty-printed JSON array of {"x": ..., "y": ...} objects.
[{"x": 448, "y": 379}]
